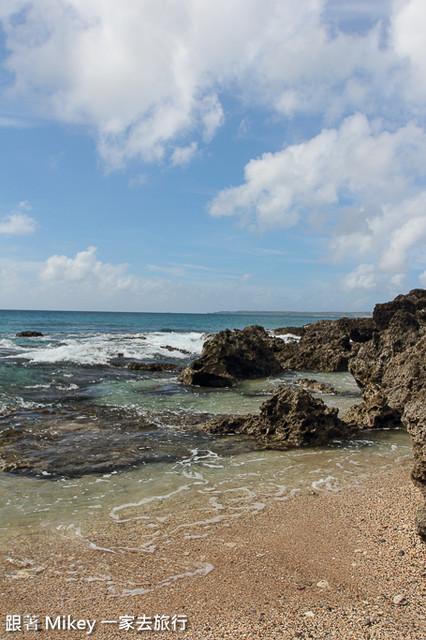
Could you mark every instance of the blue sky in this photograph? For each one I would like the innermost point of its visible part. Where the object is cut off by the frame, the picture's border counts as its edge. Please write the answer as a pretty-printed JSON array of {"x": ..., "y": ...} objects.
[{"x": 199, "y": 155}]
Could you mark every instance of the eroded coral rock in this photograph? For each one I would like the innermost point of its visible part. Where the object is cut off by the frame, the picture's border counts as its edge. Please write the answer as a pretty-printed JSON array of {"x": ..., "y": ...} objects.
[
  {"x": 290, "y": 418},
  {"x": 326, "y": 345},
  {"x": 390, "y": 369},
  {"x": 232, "y": 355}
]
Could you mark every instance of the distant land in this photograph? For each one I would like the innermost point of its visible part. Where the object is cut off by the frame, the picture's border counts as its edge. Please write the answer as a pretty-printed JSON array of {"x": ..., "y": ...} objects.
[{"x": 298, "y": 314}]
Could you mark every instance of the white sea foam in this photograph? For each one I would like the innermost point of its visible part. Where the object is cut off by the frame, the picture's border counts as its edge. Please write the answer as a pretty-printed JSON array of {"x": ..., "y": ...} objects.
[
  {"x": 190, "y": 341},
  {"x": 5, "y": 343},
  {"x": 203, "y": 569},
  {"x": 287, "y": 337},
  {"x": 100, "y": 349}
]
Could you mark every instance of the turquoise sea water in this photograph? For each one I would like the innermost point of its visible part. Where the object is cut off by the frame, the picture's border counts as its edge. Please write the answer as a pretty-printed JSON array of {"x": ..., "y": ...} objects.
[
  {"x": 65, "y": 322},
  {"x": 85, "y": 440},
  {"x": 65, "y": 389}
]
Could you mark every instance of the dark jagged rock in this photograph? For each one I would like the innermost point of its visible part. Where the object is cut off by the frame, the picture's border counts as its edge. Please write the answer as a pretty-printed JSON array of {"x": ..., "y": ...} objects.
[
  {"x": 375, "y": 414},
  {"x": 153, "y": 366},
  {"x": 326, "y": 345},
  {"x": 136, "y": 365},
  {"x": 170, "y": 348},
  {"x": 391, "y": 366},
  {"x": 390, "y": 369},
  {"x": 290, "y": 418},
  {"x": 29, "y": 334},
  {"x": 233, "y": 355}
]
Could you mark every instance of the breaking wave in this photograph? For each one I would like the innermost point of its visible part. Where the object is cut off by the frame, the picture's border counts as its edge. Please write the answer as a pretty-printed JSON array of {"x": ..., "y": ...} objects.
[{"x": 100, "y": 349}]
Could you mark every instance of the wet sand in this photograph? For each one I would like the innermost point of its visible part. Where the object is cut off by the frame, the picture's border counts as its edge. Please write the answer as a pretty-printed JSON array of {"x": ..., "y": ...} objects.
[{"x": 318, "y": 565}]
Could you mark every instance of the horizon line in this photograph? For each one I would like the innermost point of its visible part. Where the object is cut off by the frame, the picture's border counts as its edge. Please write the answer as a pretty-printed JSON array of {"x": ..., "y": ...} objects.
[{"x": 200, "y": 313}]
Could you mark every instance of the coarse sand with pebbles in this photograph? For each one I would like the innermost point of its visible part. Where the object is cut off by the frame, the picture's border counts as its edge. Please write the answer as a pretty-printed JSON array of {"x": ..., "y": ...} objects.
[{"x": 319, "y": 565}]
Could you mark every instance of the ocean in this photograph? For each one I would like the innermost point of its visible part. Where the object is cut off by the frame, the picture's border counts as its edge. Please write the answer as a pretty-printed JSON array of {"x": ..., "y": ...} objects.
[{"x": 84, "y": 439}]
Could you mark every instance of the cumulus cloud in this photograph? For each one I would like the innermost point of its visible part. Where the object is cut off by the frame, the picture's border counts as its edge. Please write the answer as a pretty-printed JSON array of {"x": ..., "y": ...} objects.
[
  {"x": 87, "y": 273},
  {"x": 363, "y": 277},
  {"x": 392, "y": 237},
  {"x": 358, "y": 176},
  {"x": 17, "y": 222},
  {"x": 408, "y": 26},
  {"x": 357, "y": 162},
  {"x": 144, "y": 75},
  {"x": 151, "y": 81},
  {"x": 83, "y": 282}
]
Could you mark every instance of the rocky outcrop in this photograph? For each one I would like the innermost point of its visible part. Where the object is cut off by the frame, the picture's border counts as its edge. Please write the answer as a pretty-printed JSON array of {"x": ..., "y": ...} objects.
[
  {"x": 29, "y": 334},
  {"x": 154, "y": 366},
  {"x": 390, "y": 369},
  {"x": 386, "y": 354},
  {"x": 374, "y": 414},
  {"x": 232, "y": 355},
  {"x": 326, "y": 345},
  {"x": 290, "y": 418}
]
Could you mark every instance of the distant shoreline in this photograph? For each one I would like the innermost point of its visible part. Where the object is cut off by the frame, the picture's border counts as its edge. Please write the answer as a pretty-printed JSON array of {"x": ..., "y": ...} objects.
[{"x": 298, "y": 314}]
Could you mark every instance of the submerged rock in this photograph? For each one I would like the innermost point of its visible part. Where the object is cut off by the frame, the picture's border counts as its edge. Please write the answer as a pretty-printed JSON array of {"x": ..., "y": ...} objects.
[
  {"x": 137, "y": 365},
  {"x": 233, "y": 355},
  {"x": 290, "y": 418},
  {"x": 314, "y": 385},
  {"x": 168, "y": 347},
  {"x": 154, "y": 366},
  {"x": 29, "y": 334},
  {"x": 76, "y": 441}
]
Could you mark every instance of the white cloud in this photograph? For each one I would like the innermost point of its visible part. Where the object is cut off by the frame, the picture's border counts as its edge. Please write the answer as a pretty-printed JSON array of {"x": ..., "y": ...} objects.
[
  {"x": 408, "y": 230},
  {"x": 144, "y": 75},
  {"x": 422, "y": 279},
  {"x": 182, "y": 156},
  {"x": 407, "y": 31},
  {"x": 17, "y": 222},
  {"x": 87, "y": 273},
  {"x": 151, "y": 80},
  {"x": 363, "y": 277},
  {"x": 355, "y": 163},
  {"x": 212, "y": 116},
  {"x": 85, "y": 283},
  {"x": 363, "y": 180}
]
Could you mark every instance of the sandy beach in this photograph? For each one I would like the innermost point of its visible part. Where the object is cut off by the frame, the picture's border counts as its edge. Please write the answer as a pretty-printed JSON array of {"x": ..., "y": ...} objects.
[{"x": 319, "y": 565}]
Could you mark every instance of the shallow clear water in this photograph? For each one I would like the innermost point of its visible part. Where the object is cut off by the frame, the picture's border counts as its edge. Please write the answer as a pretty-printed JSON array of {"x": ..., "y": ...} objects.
[
  {"x": 206, "y": 486},
  {"x": 121, "y": 437}
]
